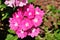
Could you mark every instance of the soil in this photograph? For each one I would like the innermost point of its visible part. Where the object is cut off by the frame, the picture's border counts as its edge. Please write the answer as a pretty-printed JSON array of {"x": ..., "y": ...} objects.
[{"x": 44, "y": 3}]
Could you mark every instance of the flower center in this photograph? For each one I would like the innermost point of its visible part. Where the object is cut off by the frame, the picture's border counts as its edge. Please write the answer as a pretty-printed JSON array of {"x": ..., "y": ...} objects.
[
  {"x": 27, "y": 24},
  {"x": 27, "y": 9},
  {"x": 35, "y": 20},
  {"x": 22, "y": 31},
  {"x": 30, "y": 13},
  {"x": 16, "y": 24},
  {"x": 33, "y": 30},
  {"x": 37, "y": 12},
  {"x": 21, "y": 4},
  {"x": 17, "y": 16}
]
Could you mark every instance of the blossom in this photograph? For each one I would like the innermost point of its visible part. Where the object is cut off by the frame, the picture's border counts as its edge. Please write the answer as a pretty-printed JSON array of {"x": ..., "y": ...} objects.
[
  {"x": 39, "y": 12},
  {"x": 13, "y": 24},
  {"x": 30, "y": 11},
  {"x": 34, "y": 32},
  {"x": 26, "y": 21},
  {"x": 18, "y": 15},
  {"x": 37, "y": 21},
  {"x": 13, "y": 3},
  {"x": 26, "y": 24},
  {"x": 21, "y": 34}
]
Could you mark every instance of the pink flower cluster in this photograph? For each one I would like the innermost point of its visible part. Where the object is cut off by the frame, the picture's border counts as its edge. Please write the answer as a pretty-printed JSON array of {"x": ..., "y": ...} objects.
[
  {"x": 26, "y": 20},
  {"x": 13, "y": 3}
]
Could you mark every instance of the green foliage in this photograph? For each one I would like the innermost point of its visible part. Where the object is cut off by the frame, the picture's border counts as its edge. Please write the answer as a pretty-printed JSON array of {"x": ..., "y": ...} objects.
[
  {"x": 37, "y": 38},
  {"x": 29, "y": 1},
  {"x": 58, "y": 11},
  {"x": 2, "y": 6},
  {"x": 11, "y": 31},
  {"x": 4, "y": 17},
  {"x": 11, "y": 37},
  {"x": 57, "y": 34},
  {"x": 49, "y": 35},
  {"x": 58, "y": 22},
  {"x": 53, "y": 9},
  {"x": 0, "y": 1},
  {"x": 48, "y": 7}
]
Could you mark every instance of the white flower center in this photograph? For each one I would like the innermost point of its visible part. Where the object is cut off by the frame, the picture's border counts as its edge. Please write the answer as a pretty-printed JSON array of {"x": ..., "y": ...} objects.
[
  {"x": 27, "y": 24},
  {"x": 33, "y": 30},
  {"x": 37, "y": 12},
  {"x": 16, "y": 24},
  {"x": 21, "y": 4},
  {"x": 27, "y": 9},
  {"x": 35, "y": 20},
  {"x": 30, "y": 13},
  {"x": 17, "y": 16},
  {"x": 22, "y": 31},
  {"x": 26, "y": 1}
]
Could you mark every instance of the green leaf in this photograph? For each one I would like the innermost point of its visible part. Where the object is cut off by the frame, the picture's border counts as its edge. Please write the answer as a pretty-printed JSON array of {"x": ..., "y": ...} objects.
[
  {"x": 49, "y": 7},
  {"x": 11, "y": 31},
  {"x": 0, "y": 2},
  {"x": 57, "y": 34},
  {"x": 15, "y": 38},
  {"x": 2, "y": 6},
  {"x": 29, "y": 1},
  {"x": 49, "y": 36},
  {"x": 37, "y": 38},
  {"x": 58, "y": 22},
  {"x": 53, "y": 9},
  {"x": 11, "y": 37},
  {"x": 58, "y": 11},
  {"x": 4, "y": 17}
]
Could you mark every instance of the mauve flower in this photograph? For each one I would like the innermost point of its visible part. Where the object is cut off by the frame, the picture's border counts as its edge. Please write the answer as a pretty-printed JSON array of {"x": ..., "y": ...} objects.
[
  {"x": 26, "y": 21},
  {"x": 29, "y": 15},
  {"x": 39, "y": 12},
  {"x": 37, "y": 21},
  {"x": 30, "y": 11},
  {"x": 10, "y": 3},
  {"x": 22, "y": 3},
  {"x": 34, "y": 32},
  {"x": 21, "y": 34},
  {"x": 13, "y": 24},
  {"x": 18, "y": 15},
  {"x": 30, "y": 8},
  {"x": 26, "y": 24},
  {"x": 13, "y": 3}
]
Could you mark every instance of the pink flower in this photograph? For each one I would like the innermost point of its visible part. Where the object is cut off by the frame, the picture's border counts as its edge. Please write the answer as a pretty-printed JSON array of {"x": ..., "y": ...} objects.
[
  {"x": 13, "y": 3},
  {"x": 21, "y": 34},
  {"x": 39, "y": 12},
  {"x": 10, "y": 3},
  {"x": 29, "y": 15},
  {"x": 13, "y": 24},
  {"x": 26, "y": 21},
  {"x": 37, "y": 21},
  {"x": 26, "y": 24},
  {"x": 23, "y": 2},
  {"x": 30, "y": 11},
  {"x": 18, "y": 15},
  {"x": 34, "y": 32}
]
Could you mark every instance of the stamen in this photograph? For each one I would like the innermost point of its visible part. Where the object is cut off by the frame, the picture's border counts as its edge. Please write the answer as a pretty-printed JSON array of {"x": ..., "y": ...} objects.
[
  {"x": 33, "y": 30},
  {"x": 37, "y": 12},
  {"x": 35, "y": 20},
  {"x": 27, "y": 24},
  {"x": 16, "y": 24}
]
